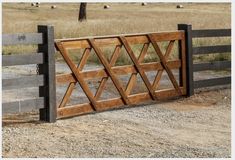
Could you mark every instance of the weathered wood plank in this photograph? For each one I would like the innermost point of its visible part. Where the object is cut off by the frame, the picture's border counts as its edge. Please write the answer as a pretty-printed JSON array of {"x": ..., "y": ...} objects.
[
  {"x": 212, "y": 82},
  {"x": 211, "y": 49},
  {"x": 118, "y": 70},
  {"x": 23, "y": 82},
  {"x": 23, "y": 105},
  {"x": 22, "y": 38},
  {"x": 12, "y": 60},
  {"x": 211, "y": 33},
  {"x": 216, "y": 65}
]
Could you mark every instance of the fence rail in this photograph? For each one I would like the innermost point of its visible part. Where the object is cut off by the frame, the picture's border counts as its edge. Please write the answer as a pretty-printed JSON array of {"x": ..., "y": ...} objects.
[
  {"x": 215, "y": 65},
  {"x": 212, "y": 82},
  {"x": 211, "y": 33},
  {"x": 211, "y": 49},
  {"x": 23, "y": 105},
  {"x": 12, "y": 60},
  {"x": 22, "y": 38},
  {"x": 23, "y": 82}
]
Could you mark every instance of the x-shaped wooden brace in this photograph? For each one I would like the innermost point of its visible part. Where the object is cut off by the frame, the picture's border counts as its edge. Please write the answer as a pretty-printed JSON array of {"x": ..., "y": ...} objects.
[
  {"x": 133, "y": 78},
  {"x": 159, "y": 73},
  {"x": 155, "y": 84},
  {"x": 164, "y": 63},
  {"x": 77, "y": 75},
  {"x": 104, "y": 80},
  {"x": 80, "y": 68},
  {"x": 73, "y": 84},
  {"x": 138, "y": 67},
  {"x": 108, "y": 69}
]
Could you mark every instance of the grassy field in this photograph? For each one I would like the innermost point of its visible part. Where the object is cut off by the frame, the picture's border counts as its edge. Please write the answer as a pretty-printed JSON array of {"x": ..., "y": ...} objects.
[{"x": 119, "y": 19}]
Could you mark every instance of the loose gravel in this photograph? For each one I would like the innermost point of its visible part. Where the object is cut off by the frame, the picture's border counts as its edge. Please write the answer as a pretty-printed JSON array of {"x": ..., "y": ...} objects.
[{"x": 195, "y": 127}]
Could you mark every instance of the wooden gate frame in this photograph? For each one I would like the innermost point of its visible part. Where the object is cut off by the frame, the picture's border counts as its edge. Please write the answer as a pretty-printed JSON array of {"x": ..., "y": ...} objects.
[{"x": 79, "y": 76}]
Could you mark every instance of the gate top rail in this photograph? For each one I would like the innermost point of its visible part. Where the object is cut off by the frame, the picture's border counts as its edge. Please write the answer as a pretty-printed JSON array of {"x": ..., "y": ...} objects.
[
  {"x": 114, "y": 36},
  {"x": 76, "y": 43}
]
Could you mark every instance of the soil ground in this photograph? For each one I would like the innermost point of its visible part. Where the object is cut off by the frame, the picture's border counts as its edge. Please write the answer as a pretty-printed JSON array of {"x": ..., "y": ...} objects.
[{"x": 199, "y": 126}]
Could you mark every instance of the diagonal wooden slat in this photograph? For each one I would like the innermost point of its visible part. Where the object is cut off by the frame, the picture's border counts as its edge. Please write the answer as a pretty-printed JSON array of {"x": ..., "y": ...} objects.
[
  {"x": 78, "y": 75},
  {"x": 159, "y": 73},
  {"x": 84, "y": 58},
  {"x": 67, "y": 94},
  {"x": 137, "y": 66},
  {"x": 109, "y": 71},
  {"x": 71, "y": 86},
  {"x": 143, "y": 52},
  {"x": 105, "y": 79},
  {"x": 164, "y": 63},
  {"x": 132, "y": 81},
  {"x": 115, "y": 55}
]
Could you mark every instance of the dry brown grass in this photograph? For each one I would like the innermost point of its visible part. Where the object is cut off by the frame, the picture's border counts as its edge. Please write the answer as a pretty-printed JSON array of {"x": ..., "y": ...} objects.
[{"x": 119, "y": 19}]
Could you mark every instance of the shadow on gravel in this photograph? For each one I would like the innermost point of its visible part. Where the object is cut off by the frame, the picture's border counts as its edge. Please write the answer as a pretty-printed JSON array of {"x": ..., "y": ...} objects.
[{"x": 16, "y": 119}]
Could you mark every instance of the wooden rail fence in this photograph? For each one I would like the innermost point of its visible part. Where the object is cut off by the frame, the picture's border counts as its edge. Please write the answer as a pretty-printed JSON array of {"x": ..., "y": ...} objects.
[
  {"x": 197, "y": 67},
  {"x": 45, "y": 79}
]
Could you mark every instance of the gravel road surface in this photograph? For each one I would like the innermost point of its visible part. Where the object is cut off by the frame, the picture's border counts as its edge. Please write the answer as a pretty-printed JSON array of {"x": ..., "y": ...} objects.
[{"x": 199, "y": 126}]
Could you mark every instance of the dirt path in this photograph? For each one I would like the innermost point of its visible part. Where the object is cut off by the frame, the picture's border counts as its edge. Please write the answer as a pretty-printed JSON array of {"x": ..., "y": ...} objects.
[{"x": 199, "y": 126}]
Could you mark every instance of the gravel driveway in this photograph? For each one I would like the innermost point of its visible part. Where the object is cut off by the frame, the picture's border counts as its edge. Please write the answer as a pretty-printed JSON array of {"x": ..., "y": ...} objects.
[{"x": 199, "y": 126}]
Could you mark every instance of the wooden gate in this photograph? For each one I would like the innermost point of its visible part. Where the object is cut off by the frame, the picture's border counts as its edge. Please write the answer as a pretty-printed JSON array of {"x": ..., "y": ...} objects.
[{"x": 110, "y": 71}]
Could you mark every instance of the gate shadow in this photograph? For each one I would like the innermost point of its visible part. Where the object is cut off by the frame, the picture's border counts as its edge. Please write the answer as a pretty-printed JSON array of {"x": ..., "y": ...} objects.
[{"x": 23, "y": 118}]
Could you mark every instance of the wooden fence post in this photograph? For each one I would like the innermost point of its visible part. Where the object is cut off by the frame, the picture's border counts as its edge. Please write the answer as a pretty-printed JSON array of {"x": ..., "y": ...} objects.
[
  {"x": 48, "y": 91},
  {"x": 189, "y": 57}
]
